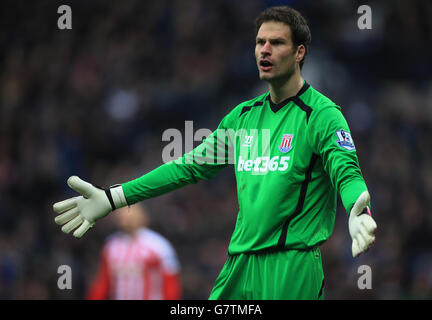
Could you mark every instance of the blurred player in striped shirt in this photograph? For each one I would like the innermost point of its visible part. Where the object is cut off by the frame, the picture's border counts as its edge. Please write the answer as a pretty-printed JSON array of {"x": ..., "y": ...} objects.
[{"x": 136, "y": 262}]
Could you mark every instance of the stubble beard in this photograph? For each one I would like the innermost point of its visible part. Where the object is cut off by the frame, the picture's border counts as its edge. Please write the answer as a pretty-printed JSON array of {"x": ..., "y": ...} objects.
[{"x": 279, "y": 80}]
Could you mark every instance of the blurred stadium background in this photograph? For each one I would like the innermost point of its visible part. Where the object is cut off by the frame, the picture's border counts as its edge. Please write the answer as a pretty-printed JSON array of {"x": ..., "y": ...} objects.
[{"x": 94, "y": 101}]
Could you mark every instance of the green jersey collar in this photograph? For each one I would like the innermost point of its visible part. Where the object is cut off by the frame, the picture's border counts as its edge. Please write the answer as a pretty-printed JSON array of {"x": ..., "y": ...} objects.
[{"x": 277, "y": 106}]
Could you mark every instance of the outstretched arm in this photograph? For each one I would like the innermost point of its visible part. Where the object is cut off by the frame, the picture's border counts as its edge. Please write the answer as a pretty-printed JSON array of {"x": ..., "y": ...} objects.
[{"x": 81, "y": 212}]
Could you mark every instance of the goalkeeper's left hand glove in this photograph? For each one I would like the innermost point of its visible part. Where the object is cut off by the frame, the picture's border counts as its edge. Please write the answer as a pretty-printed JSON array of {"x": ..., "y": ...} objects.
[{"x": 362, "y": 226}]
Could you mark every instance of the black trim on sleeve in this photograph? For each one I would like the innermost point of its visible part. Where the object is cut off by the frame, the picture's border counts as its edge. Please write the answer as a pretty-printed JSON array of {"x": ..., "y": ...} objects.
[
  {"x": 258, "y": 104},
  {"x": 304, "y": 107},
  {"x": 321, "y": 289},
  {"x": 300, "y": 203},
  {"x": 247, "y": 108}
]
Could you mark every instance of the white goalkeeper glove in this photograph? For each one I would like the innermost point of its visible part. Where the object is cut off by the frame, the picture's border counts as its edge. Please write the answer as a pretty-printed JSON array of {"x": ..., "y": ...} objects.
[
  {"x": 361, "y": 225},
  {"x": 93, "y": 204}
]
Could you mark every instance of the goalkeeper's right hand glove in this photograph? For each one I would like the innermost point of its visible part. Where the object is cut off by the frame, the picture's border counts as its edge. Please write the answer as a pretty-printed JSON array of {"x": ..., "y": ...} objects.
[{"x": 93, "y": 204}]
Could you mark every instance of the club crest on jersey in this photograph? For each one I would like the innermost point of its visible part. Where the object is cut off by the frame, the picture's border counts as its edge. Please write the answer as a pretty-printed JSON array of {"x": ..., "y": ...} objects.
[
  {"x": 286, "y": 143},
  {"x": 345, "y": 140}
]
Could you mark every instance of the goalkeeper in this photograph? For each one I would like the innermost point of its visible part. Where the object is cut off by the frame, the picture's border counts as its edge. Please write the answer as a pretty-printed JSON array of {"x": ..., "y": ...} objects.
[{"x": 293, "y": 153}]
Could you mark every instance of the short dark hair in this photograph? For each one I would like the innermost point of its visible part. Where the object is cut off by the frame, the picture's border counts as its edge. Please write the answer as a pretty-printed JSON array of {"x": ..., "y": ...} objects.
[{"x": 300, "y": 32}]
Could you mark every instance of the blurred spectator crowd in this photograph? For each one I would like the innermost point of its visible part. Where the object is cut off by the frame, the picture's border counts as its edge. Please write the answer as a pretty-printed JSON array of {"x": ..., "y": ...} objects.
[{"x": 94, "y": 101}]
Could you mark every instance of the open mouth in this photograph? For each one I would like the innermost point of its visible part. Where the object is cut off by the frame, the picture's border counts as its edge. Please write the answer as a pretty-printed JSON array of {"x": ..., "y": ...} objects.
[{"x": 265, "y": 65}]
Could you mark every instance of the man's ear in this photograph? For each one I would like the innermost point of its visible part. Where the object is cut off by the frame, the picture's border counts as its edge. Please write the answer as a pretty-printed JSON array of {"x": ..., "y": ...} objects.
[{"x": 301, "y": 52}]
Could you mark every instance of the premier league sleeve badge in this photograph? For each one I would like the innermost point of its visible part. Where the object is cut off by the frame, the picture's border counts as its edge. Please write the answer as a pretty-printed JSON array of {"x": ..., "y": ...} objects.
[{"x": 345, "y": 140}]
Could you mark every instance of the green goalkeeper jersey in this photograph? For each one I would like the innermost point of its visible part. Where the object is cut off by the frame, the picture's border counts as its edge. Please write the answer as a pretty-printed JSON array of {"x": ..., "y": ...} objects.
[{"x": 290, "y": 160}]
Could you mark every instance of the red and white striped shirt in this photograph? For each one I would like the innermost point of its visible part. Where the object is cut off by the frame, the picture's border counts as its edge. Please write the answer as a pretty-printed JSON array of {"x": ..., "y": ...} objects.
[{"x": 139, "y": 267}]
